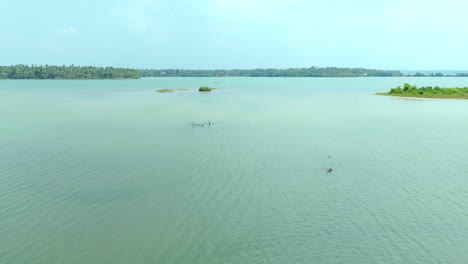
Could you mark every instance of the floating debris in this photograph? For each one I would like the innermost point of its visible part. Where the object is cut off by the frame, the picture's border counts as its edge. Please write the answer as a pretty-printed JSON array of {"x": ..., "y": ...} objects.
[
  {"x": 195, "y": 124},
  {"x": 329, "y": 170}
]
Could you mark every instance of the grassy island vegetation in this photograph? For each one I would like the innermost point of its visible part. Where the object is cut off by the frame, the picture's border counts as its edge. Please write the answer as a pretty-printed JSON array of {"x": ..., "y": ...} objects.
[
  {"x": 409, "y": 90},
  {"x": 171, "y": 90},
  {"x": 66, "y": 72}
]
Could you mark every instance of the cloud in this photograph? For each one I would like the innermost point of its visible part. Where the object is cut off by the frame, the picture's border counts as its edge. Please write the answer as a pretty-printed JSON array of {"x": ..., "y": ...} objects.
[
  {"x": 140, "y": 17},
  {"x": 68, "y": 31},
  {"x": 297, "y": 20},
  {"x": 428, "y": 16},
  {"x": 260, "y": 11}
]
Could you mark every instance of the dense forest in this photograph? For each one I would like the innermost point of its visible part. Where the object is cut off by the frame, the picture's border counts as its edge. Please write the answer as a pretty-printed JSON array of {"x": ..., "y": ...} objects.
[
  {"x": 66, "y": 72},
  {"x": 409, "y": 90},
  {"x": 291, "y": 72},
  {"x": 90, "y": 72}
]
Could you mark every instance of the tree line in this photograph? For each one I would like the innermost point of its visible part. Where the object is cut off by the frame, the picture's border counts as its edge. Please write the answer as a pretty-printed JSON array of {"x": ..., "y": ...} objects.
[
  {"x": 66, "y": 72},
  {"x": 437, "y": 74},
  {"x": 90, "y": 72},
  {"x": 291, "y": 72}
]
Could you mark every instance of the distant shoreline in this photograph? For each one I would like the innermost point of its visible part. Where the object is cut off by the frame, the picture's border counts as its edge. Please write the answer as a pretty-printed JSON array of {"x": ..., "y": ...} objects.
[
  {"x": 50, "y": 72},
  {"x": 270, "y": 77}
]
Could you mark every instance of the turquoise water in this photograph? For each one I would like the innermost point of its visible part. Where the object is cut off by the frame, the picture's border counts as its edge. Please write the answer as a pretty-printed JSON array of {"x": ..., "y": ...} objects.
[{"x": 109, "y": 171}]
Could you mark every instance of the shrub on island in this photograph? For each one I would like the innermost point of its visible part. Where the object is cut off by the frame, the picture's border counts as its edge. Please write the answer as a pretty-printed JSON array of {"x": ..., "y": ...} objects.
[
  {"x": 409, "y": 90},
  {"x": 205, "y": 89}
]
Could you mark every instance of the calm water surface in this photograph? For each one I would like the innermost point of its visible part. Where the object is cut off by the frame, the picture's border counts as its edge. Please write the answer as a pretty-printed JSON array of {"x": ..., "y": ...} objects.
[{"x": 109, "y": 171}]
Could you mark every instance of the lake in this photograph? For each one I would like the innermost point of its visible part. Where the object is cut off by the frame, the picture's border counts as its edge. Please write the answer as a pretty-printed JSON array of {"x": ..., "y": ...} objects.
[{"x": 109, "y": 171}]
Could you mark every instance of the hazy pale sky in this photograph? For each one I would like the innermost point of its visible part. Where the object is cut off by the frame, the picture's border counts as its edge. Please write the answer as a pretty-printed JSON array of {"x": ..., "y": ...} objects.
[{"x": 208, "y": 34}]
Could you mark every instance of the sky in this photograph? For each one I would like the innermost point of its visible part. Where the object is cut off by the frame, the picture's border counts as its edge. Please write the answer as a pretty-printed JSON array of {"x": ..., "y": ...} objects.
[{"x": 236, "y": 34}]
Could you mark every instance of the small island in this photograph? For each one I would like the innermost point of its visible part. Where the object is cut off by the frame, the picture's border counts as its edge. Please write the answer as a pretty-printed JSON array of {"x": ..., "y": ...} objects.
[
  {"x": 206, "y": 89},
  {"x": 201, "y": 89},
  {"x": 409, "y": 90},
  {"x": 171, "y": 90}
]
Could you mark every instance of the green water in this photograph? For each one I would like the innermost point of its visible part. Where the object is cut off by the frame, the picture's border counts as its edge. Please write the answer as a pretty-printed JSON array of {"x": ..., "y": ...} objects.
[{"x": 110, "y": 171}]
